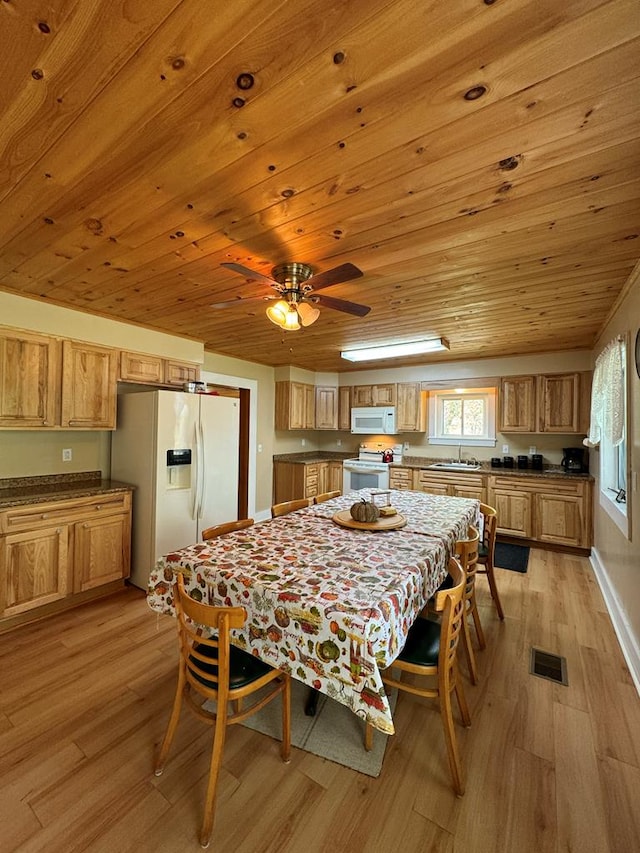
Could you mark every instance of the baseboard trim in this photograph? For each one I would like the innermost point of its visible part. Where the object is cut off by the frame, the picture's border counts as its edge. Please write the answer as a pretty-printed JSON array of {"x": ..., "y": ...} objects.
[{"x": 626, "y": 638}]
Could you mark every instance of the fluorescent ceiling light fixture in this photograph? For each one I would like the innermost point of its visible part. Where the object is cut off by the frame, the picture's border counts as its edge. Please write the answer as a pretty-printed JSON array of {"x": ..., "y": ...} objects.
[{"x": 395, "y": 350}]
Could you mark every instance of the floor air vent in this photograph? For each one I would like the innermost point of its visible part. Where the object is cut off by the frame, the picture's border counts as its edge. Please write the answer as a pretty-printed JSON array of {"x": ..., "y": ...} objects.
[{"x": 547, "y": 665}]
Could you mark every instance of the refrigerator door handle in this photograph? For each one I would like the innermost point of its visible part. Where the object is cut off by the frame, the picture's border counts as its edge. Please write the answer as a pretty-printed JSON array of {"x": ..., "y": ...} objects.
[
  {"x": 195, "y": 486},
  {"x": 201, "y": 475}
]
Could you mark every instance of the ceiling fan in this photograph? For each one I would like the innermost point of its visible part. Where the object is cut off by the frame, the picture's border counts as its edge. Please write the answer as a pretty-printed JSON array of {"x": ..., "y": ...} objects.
[{"x": 296, "y": 292}]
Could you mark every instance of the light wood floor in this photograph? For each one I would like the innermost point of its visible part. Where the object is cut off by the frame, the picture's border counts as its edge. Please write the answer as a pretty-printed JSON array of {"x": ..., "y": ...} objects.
[{"x": 85, "y": 698}]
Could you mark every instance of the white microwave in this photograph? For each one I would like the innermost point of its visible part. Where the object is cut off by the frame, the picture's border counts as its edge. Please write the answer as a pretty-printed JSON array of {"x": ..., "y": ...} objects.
[{"x": 374, "y": 420}]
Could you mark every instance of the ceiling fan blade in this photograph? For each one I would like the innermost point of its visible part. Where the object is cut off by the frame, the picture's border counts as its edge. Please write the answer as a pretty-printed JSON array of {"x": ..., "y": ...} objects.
[
  {"x": 248, "y": 273},
  {"x": 342, "y": 305},
  {"x": 345, "y": 272},
  {"x": 240, "y": 299}
]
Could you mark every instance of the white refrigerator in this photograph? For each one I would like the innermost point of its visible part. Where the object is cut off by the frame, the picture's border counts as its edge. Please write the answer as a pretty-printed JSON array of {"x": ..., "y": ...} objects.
[{"x": 181, "y": 452}]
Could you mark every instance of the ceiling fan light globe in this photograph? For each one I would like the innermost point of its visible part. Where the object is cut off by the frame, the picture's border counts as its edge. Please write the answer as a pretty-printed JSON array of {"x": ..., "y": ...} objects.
[
  {"x": 308, "y": 314},
  {"x": 278, "y": 313},
  {"x": 291, "y": 320}
]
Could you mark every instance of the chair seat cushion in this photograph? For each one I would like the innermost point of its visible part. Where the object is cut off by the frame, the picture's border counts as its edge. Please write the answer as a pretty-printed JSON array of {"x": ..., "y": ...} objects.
[
  {"x": 423, "y": 643},
  {"x": 243, "y": 668}
]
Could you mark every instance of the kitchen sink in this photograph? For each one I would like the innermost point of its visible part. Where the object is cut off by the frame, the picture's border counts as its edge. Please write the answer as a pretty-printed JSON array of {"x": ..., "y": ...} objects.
[{"x": 454, "y": 466}]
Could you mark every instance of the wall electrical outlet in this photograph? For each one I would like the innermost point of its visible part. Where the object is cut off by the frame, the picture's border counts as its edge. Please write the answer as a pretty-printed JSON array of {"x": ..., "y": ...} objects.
[
  {"x": 505, "y": 448},
  {"x": 406, "y": 445},
  {"x": 67, "y": 454},
  {"x": 532, "y": 450},
  {"x": 259, "y": 448},
  {"x": 303, "y": 441},
  {"x": 339, "y": 442}
]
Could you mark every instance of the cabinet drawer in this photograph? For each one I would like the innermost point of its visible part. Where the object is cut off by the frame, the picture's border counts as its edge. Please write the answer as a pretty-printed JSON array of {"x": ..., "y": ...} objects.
[
  {"x": 44, "y": 514},
  {"x": 401, "y": 475},
  {"x": 533, "y": 485}
]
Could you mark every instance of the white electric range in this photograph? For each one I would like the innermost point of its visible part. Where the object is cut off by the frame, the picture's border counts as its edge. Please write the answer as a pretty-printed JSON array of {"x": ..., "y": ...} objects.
[{"x": 369, "y": 470}]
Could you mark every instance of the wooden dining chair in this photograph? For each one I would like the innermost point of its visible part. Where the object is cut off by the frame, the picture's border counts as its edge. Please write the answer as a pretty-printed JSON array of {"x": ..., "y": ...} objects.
[
  {"x": 210, "y": 668},
  {"x": 486, "y": 553},
  {"x": 326, "y": 496},
  {"x": 286, "y": 507},
  {"x": 431, "y": 650},
  {"x": 466, "y": 551},
  {"x": 227, "y": 527}
]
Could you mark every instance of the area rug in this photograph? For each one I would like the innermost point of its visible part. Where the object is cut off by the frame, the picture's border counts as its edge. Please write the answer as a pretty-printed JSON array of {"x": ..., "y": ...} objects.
[
  {"x": 513, "y": 557},
  {"x": 335, "y": 732}
]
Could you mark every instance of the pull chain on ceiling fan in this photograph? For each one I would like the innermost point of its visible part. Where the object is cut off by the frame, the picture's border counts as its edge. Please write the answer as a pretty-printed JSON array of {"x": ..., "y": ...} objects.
[{"x": 296, "y": 286}]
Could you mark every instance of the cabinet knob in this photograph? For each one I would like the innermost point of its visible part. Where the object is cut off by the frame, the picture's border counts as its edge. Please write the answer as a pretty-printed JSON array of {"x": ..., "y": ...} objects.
[
  {"x": 85, "y": 525},
  {"x": 44, "y": 515},
  {"x": 98, "y": 506},
  {"x": 58, "y": 530}
]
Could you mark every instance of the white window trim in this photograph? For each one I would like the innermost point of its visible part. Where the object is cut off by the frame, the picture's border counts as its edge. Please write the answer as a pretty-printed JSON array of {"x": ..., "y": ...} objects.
[
  {"x": 617, "y": 512},
  {"x": 488, "y": 441}
]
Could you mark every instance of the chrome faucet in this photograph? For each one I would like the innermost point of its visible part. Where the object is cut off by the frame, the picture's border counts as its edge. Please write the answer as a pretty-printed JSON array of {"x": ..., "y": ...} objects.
[{"x": 460, "y": 453}]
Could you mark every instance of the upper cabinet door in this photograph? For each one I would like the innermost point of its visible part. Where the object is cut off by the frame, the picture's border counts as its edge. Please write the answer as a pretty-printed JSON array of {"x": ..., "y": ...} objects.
[
  {"x": 559, "y": 397},
  {"x": 326, "y": 408},
  {"x": 88, "y": 386},
  {"x": 518, "y": 404},
  {"x": 29, "y": 378}
]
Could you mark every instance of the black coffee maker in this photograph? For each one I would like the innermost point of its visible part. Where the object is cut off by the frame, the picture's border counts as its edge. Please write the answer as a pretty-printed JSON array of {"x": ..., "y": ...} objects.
[{"x": 574, "y": 461}]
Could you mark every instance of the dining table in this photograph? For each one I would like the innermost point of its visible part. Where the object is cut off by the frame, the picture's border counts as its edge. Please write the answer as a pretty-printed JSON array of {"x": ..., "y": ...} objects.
[{"x": 329, "y": 604}]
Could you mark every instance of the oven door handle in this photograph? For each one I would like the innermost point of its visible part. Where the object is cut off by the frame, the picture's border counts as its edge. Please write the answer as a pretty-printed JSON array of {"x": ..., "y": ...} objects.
[{"x": 365, "y": 470}]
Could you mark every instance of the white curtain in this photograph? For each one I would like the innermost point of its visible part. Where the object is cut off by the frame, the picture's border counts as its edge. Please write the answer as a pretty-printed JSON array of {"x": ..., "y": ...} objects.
[{"x": 607, "y": 396}]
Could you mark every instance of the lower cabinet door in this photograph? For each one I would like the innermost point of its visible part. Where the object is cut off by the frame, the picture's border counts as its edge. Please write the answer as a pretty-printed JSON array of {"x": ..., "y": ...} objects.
[
  {"x": 101, "y": 551},
  {"x": 514, "y": 513},
  {"x": 476, "y": 493},
  {"x": 34, "y": 569},
  {"x": 559, "y": 519}
]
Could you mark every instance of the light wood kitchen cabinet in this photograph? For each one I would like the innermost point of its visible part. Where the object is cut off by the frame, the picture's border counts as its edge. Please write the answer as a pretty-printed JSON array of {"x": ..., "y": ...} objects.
[
  {"x": 344, "y": 407},
  {"x": 454, "y": 485},
  {"x": 564, "y": 402},
  {"x": 176, "y": 373},
  {"x": 294, "y": 480},
  {"x": 326, "y": 407},
  {"x": 101, "y": 549},
  {"x": 155, "y": 370},
  {"x": 334, "y": 478},
  {"x": 373, "y": 395},
  {"x": 518, "y": 404},
  {"x": 294, "y": 406},
  {"x": 411, "y": 407},
  {"x": 513, "y": 508},
  {"x": 138, "y": 367},
  {"x": 34, "y": 569},
  {"x": 554, "y": 403},
  {"x": 88, "y": 386},
  {"x": 29, "y": 379},
  {"x": 555, "y": 510},
  {"x": 401, "y": 478},
  {"x": 51, "y": 551}
]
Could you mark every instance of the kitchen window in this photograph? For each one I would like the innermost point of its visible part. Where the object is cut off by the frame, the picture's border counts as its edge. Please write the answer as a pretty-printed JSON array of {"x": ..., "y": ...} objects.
[
  {"x": 463, "y": 416},
  {"x": 613, "y": 447}
]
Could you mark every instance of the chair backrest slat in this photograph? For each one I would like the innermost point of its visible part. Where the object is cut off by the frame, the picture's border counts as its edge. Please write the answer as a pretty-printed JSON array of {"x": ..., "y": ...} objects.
[
  {"x": 227, "y": 527},
  {"x": 326, "y": 496},
  {"x": 286, "y": 507}
]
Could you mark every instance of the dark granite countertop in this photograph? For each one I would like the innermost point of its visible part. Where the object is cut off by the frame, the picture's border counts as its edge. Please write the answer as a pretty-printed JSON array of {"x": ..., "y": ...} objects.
[
  {"x": 555, "y": 471},
  {"x": 311, "y": 456},
  {"x": 20, "y": 491}
]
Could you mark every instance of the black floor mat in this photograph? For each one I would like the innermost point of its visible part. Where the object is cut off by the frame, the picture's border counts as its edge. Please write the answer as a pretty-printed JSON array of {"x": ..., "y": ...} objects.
[{"x": 513, "y": 557}]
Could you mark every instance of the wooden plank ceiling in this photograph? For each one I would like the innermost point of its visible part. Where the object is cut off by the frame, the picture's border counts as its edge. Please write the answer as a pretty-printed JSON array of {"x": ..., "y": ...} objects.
[{"x": 478, "y": 160}]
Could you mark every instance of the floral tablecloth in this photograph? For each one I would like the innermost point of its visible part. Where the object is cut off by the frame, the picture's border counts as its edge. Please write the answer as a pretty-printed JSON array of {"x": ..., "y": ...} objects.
[{"x": 327, "y": 604}]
